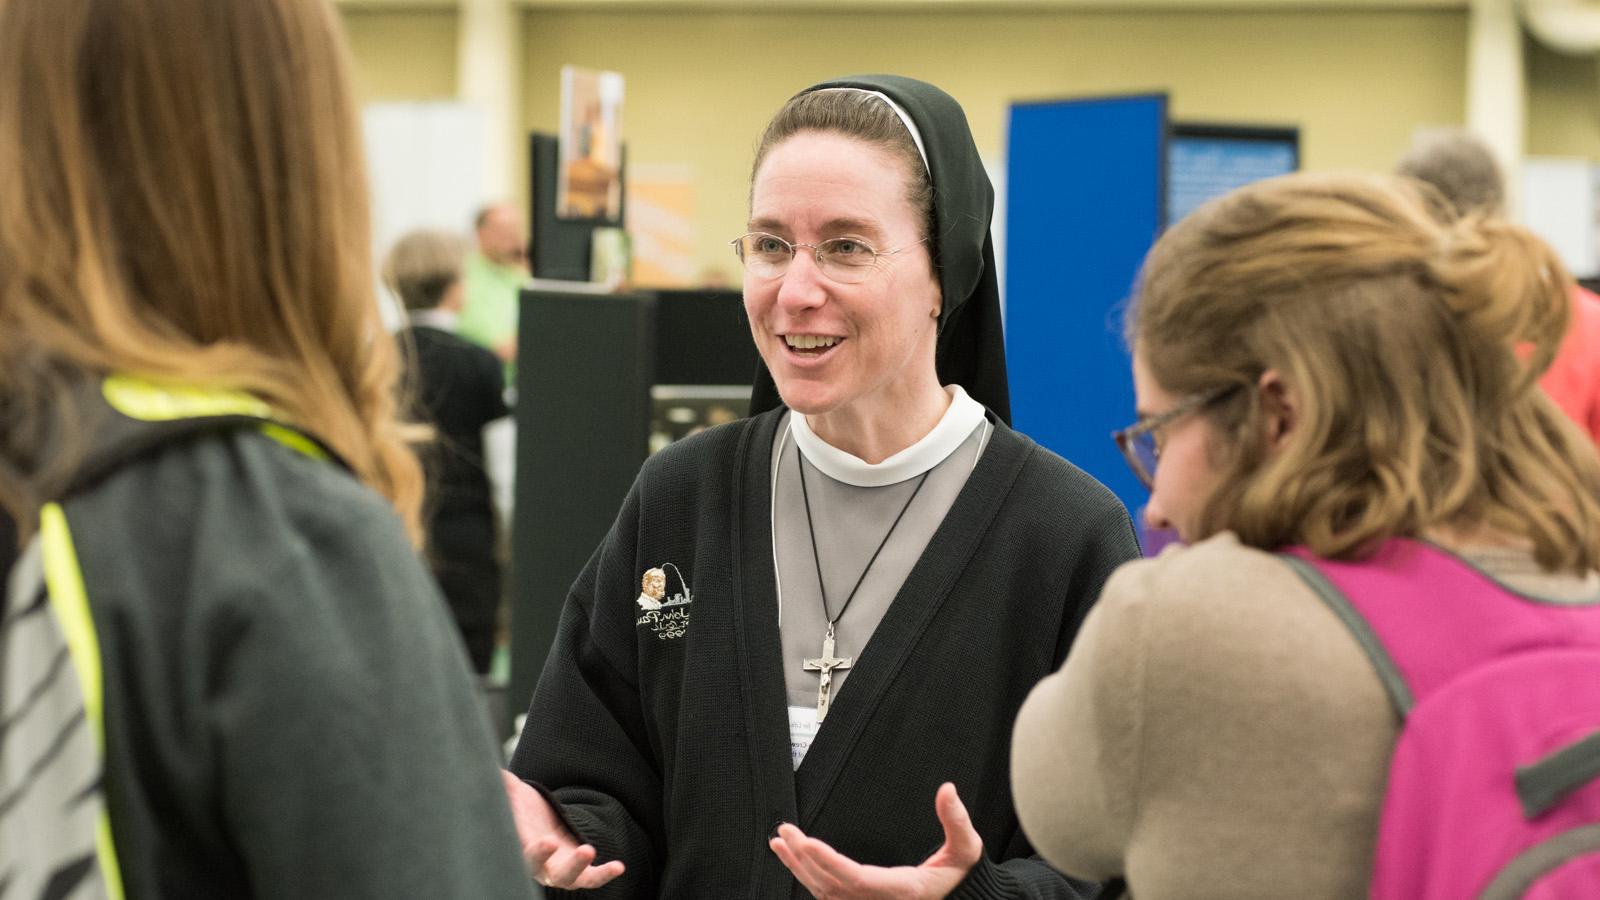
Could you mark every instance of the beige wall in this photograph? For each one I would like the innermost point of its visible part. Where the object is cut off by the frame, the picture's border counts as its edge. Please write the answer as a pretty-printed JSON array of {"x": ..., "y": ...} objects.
[
  {"x": 411, "y": 54},
  {"x": 403, "y": 54},
  {"x": 702, "y": 84},
  {"x": 1563, "y": 104}
]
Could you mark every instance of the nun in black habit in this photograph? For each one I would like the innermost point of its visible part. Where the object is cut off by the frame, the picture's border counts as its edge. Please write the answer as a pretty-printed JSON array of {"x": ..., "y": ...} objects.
[{"x": 793, "y": 664}]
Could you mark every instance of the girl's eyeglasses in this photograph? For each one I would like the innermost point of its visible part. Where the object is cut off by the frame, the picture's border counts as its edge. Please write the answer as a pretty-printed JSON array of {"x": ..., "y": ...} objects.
[{"x": 1138, "y": 441}]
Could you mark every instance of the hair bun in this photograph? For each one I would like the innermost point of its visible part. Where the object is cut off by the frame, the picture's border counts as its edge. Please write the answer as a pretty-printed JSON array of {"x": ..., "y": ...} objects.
[{"x": 1506, "y": 283}]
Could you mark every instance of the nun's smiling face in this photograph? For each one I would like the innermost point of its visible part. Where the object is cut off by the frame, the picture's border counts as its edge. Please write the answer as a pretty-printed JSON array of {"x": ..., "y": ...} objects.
[{"x": 845, "y": 355}]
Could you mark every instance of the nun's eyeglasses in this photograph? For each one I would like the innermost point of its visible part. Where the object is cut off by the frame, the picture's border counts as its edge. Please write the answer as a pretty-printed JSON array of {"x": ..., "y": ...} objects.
[
  {"x": 1138, "y": 441},
  {"x": 845, "y": 260}
]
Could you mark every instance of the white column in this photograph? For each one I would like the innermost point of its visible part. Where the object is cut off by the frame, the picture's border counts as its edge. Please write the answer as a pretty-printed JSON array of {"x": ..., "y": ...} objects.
[
  {"x": 1496, "y": 104},
  {"x": 488, "y": 76}
]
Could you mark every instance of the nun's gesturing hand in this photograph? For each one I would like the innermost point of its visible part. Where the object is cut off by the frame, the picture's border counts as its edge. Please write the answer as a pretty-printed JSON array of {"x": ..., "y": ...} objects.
[
  {"x": 554, "y": 856},
  {"x": 830, "y": 875}
]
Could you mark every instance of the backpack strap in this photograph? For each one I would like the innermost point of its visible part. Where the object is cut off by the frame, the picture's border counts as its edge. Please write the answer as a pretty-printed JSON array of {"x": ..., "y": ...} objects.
[
  {"x": 1393, "y": 681},
  {"x": 129, "y": 415},
  {"x": 1424, "y": 615},
  {"x": 1544, "y": 782},
  {"x": 124, "y": 416}
]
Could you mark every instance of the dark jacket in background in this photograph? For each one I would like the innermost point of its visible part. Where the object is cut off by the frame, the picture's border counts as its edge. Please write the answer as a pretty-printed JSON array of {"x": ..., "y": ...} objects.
[{"x": 459, "y": 390}]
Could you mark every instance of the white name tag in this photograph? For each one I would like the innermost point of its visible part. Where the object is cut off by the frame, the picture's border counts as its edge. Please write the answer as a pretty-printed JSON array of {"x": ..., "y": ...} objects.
[{"x": 803, "y": 727}]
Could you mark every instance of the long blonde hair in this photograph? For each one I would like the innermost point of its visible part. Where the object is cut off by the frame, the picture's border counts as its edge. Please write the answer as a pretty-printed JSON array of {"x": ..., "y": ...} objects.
[
  {"x": 183, "y": 196},
  {"x": 1412, "y": 346}
]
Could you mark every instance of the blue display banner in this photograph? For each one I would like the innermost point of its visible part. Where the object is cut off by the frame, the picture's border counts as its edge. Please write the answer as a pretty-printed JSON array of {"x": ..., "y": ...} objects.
[{"x": 1084, "y": 204}]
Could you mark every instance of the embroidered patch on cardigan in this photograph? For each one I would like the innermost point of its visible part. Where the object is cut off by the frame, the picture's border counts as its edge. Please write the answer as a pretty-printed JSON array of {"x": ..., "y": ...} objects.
[{"x": 668, "y": 619}]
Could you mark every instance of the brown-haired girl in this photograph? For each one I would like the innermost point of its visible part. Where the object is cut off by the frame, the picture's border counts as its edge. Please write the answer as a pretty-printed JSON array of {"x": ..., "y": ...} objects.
[
  {"x": 1321, "y": 362},
  {"x": 225, "y": 671}
]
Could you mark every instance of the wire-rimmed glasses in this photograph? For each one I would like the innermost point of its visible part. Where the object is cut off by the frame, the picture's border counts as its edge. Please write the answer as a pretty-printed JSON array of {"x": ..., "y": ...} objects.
[
  {"x": 845, "y": 260},
  {"x": 1138, "y": 441}
]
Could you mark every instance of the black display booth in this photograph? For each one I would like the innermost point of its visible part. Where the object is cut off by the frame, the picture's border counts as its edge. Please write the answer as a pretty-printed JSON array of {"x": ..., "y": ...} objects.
[{"x": 595, "y": 374}]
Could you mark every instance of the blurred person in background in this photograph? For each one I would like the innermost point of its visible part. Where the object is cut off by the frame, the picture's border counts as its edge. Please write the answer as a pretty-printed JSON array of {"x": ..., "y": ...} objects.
[
  {"x": 1462, "y": 168},
  {"x": 494, "y": 276},
  {"x": 458, "y": 389},
  {"x": 224, "y": 672}
]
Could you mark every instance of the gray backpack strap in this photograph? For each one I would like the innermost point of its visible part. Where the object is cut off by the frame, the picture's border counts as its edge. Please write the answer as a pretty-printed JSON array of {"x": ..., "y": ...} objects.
[
  {"x": 1389, "y": 673},
  {"x": 52, "y": 807}
]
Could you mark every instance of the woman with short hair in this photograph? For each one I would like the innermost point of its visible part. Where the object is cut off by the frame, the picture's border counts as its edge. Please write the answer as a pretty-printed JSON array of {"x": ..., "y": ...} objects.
[{"x": 457, "y": 388}]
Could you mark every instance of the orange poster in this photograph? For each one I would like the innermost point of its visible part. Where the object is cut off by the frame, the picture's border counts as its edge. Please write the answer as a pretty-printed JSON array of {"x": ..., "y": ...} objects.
[
  {"x": 661, "y": 223},
  {"x": 589, "y": 185}
]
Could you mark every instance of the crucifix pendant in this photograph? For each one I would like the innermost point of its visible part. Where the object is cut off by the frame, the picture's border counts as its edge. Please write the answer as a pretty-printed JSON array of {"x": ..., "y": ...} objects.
[{"x": 825, "y": 664}]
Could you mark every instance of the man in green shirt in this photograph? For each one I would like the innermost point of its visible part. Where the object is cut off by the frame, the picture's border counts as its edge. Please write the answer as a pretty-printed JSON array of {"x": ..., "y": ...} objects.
[{"x": 493, "y": 276}]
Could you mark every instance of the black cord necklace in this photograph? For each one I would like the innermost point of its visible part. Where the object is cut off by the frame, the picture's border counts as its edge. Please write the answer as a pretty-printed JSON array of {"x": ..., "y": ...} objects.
[{"x": 827, "y": 662}]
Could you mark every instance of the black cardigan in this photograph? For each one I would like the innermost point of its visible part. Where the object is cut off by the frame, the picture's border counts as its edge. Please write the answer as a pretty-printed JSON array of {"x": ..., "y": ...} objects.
[{"x": 671, "y": 753}]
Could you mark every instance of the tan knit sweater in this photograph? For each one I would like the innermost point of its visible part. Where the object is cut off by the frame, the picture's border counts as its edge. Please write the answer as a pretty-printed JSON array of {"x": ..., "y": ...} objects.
[{"x": 1216, "y": 732}]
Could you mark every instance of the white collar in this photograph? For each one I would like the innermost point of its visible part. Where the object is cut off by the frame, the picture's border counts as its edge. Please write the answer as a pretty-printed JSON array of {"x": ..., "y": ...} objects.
[
  {"x": 953, "y": 429},
  {"x": 434, "y": 318}
]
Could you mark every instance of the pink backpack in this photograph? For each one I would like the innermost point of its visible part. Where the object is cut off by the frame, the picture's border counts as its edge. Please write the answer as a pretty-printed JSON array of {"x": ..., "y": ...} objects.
[{"x": 1493, "y": 790}]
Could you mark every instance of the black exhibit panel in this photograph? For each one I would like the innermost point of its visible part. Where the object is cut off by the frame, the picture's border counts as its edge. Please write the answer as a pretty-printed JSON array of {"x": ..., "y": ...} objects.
[{"x": 602, "y": 380}]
